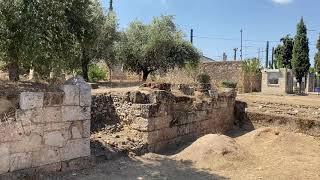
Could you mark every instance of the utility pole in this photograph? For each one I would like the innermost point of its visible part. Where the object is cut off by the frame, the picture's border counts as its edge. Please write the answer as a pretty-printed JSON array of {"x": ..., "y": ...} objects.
[
  {"x": 191, "y": 36},
  {"x": 267, "y": 55},
  {"x": 110, "y": 5},
  {"x": 235, "y": 54},
  {"x": 272, "y": 58},
  {"x": 259, "y": 54},
  {"x": 241, "y": 45}
]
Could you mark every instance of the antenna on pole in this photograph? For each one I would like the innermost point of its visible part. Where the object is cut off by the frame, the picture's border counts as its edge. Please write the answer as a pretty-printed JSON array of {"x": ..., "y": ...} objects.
[
  {"x": 191, "y": 36},
  {"x": 241, "y": 46},
  {"x": 111, "y": 5}
]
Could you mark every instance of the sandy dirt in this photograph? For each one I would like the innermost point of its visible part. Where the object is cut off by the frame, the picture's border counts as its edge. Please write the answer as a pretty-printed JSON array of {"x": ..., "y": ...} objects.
[
  {"x": 261, "y": 154},
  {"x": 306, "y": 107}
]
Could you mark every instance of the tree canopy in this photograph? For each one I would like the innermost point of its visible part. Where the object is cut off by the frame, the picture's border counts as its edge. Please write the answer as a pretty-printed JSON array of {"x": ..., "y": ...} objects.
[
  {"x": 54, "y": 34},
  {"x": 300, "y": 60},
  {"x": 159, "y": 46},
  {"x": 283, "y": 53},
  {"x": 317, "y": 58}
]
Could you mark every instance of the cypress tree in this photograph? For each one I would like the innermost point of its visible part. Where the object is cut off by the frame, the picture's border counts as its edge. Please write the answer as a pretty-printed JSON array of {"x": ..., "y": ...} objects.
[
  {"x": 300, "y": 58},
  {"x": 317, "y": 58}
]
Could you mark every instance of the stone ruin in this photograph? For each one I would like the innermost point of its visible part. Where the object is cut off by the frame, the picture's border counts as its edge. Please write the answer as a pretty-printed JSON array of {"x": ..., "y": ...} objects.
[
  {"x": 157, "y": 117},
  {"x": 48, "y": 131}
]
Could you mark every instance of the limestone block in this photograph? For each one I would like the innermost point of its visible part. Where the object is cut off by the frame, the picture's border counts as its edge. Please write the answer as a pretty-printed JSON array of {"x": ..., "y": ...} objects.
[
  {"x": 168, "y": 133},
  {"x": 71, "y": 95},
  {"x": 20, "y": 161},
  {"x": 45, "y": 156},
  {"x": 75, "y": 149},
  {"x": 33, "y": 128},
  {"x": 52, "y": 114},
  {"x": 11, "y": 131},
  {"x": 142, "y": 124},
  {"x": 55, "y": 138},
  {"x": 31, "y": 100},
  {"x": 27, "y": 117},
  {"x": 27, "y": 144},
  {"x": 48, "y": 127},
  {"x": 76, "y": 132},
  {"x": 85, "y": 94},
  {"x": 86, "y": 129},
  {"x": 152, "y": 137},
  {"x": 162, "y": 122},
  {"x": 4, "y": 158},
  {"x": 75, "y": 113},
  {"x": 146, "y": 110},
  {"x": 53, "y": 98}
]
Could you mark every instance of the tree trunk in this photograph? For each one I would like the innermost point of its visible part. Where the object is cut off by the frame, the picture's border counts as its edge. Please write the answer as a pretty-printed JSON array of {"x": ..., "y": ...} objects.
[
  {"x": 85, "y": 66},
  {"x": 145, "y": 75},
  {"x": 13, "y": 69}
]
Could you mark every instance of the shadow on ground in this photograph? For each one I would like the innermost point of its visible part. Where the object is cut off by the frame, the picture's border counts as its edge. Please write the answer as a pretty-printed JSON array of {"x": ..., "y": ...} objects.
[{"x": 157, "y": 167}]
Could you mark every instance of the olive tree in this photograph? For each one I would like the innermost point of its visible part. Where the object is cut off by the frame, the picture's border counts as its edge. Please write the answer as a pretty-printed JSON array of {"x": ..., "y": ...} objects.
[{"x": 158, "y": 46}]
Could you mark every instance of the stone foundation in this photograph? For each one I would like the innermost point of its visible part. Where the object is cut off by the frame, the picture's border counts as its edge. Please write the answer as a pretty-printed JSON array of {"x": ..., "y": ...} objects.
[
  {"x": 48, "y": 128},
  {"x": 161, "y": 118}
]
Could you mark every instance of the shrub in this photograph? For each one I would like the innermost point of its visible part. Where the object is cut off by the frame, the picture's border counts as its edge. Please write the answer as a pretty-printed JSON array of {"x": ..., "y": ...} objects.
[
  {"x": 203, "y": 78},
  {"x": 96, "y": 73},
  {"x": 229, "y": 84}
]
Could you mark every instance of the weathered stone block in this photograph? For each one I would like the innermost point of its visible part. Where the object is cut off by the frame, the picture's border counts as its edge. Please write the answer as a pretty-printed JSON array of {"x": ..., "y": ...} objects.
[
  {"x": 56, "y": 126},
  {"x": 27, "y": 144},
  {"x": 20, "y": 161},
  {"x": 162, "y": 122},
  {"x": 4, "y": 158},
  {"x": 11, "y": 131},
  {"x": 142, "y": 124},
  {"x": 52, "y": 114},
  {"x": 71, "y": 95},
  {"x": 76, "y": 132},
  {"x": 75, "y": 149},
  {"x": 27, "y": 117},
  {"x": 75, "y": 113},
  {"x": 33, "y": 128},
  {"x": 168, "y": 133},
  {"x": 45, "y": 156},
  {"x": 53, "y": 98},
  {"x": 55, "y": 139},
  {"x": 85, "y": 94},
  {"x": 31, "y": 100},
  {"x": 86, "y": 129}
]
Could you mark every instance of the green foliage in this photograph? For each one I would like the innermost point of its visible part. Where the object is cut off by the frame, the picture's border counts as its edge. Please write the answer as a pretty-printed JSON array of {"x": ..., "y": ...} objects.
[
  {"x": 159, "y": 46},
  {"x": 317, "y": 58},
  {"x": 229, "y": 84},
  {"x": 300, "y": 61},
  {"x": 54, "y": 34},
  {"x": 251, "y": 66},
  {"x": 96, "y": 73},
  {"x": 283, "y": 52},
  {"x": 203, "y": 78}
]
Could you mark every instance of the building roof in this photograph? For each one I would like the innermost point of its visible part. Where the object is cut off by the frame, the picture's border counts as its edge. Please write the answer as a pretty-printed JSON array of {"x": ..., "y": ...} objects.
[{"x": 205, "y": 59}]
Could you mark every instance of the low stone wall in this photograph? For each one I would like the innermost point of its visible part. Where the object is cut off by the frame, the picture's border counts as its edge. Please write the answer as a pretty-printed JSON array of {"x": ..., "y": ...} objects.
[
  {"x": 48, "y": 128},
  {"x": 161, "y": 118}
]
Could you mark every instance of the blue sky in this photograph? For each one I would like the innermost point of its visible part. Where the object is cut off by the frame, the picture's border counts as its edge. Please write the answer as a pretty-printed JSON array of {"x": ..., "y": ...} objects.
[{"x": 217, "y": 23}]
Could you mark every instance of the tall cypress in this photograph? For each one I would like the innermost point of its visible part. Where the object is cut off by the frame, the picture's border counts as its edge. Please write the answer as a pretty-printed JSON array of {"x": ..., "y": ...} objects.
[
  {"x": 317, "y": 57},
  {"x": 300, "y": 57}
]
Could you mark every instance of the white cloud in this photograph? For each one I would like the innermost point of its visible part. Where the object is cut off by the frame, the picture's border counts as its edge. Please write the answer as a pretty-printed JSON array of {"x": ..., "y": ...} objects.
[{"x": 282, "y": 1}]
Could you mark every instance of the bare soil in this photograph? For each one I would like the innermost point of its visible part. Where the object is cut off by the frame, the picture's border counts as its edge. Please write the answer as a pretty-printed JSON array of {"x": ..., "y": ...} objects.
[
  {"x": 266, "y": 153},
  {"x": 306, "y": 107}
]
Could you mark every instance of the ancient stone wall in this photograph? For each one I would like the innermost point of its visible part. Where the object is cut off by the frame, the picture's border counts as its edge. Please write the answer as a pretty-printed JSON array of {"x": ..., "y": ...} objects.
[
  {"x": 48, "y": 128},
  {"x": 162, "y": 119}
]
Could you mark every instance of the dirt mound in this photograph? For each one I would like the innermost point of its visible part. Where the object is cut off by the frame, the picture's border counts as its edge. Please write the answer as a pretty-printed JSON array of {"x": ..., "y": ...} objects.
[{"x": 214, "y": 151}]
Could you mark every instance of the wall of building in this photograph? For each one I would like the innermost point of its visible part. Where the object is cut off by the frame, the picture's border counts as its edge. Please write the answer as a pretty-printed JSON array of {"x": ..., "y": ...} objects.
[
  {"x": 285, "y": 81},
  {"x": 232, "y": 71},
  {"x": 48, "y": 128},
  {"x": 162, "y": 118}
]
